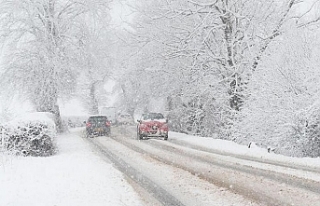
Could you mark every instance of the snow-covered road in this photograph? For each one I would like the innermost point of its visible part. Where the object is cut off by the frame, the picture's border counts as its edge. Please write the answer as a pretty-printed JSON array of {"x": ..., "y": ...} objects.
[
  {"x": 156, "y": 172},
  {"x": 185, "y": 187},
  {"x": 280, "y": 184}
]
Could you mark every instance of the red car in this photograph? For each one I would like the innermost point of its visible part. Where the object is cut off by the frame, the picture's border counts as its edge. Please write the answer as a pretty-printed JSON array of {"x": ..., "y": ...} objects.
[{"x": 152, "y": 125}]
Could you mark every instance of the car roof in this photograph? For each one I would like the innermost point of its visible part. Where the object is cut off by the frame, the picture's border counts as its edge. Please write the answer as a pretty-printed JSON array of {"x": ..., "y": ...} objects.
[
  {"x": 153, "y": 113},
  {"x": 97, "y": 117}
]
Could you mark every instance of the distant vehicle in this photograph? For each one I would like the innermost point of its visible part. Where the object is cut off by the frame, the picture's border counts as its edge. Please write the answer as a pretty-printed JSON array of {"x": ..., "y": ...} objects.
[
  {"x": 98, "y": 125},
  {"x": 110, "y": 112},
  {"x": 124, "y": 119},
  {"x": 152, "y": 125}
]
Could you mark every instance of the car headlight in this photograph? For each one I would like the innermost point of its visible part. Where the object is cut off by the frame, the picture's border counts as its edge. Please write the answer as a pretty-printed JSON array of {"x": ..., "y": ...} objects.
[
  {"x": 143, "y": 126},
  {"x": 164, "y": 126}
]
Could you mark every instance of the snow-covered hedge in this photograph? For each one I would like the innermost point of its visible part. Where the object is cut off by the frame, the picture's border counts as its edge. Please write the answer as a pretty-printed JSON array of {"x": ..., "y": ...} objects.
[{"x": 32, "y": 134}]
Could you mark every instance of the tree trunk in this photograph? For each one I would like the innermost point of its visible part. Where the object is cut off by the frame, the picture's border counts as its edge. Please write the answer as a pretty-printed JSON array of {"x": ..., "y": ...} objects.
[
  {"x": 94, "y": 106},
  {"x": 235, "y": 98},
  {"x": 45, "y": 98},
  {"x": 57, "y": 119}
]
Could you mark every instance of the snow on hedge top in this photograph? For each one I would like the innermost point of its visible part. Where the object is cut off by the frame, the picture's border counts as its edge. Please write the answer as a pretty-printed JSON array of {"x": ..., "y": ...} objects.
[{"x": 34, "y": 118}]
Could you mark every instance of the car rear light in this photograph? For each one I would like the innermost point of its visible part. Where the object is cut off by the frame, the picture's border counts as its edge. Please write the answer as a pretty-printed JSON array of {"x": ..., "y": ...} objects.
[
  {"x": 108, "y": 123},
  {"x": 88, "y": 124}
]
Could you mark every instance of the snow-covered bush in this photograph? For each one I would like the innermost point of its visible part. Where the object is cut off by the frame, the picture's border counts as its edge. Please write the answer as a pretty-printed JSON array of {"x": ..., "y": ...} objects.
[
  {"x": 187, "y": 116},
  {"x": 32, "y": 134},
  {"x": 202, "y": 115},
  {"x": 311, "y": 137},
  {"x": 283, "y": 108}
]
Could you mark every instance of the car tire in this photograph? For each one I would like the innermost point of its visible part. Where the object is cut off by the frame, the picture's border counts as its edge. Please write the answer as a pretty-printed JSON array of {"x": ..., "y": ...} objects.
[
  {"x": 166, "y": 137},
  {"x": 87, "y": 134},
  {"x": 139, "y": 136}
]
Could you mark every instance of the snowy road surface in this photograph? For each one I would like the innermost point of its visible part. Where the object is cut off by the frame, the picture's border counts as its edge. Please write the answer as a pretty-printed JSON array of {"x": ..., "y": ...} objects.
[
  {"x": 264, "y": 183},
  {"x": 156, "y": 172},
  {"x": 186, "y": 188}
]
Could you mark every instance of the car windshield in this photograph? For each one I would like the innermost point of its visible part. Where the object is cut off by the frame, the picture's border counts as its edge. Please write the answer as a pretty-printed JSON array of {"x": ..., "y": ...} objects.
[{"x": 152, "y": 116}]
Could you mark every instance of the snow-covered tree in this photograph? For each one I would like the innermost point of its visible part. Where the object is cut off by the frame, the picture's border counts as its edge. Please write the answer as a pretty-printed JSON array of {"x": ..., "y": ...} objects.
[
  {"x": 283, "y": 109},
  {"x": 41, "y": 43},
  {"x": 96, "y": 61},
  {"x": 207, "y": 50}
]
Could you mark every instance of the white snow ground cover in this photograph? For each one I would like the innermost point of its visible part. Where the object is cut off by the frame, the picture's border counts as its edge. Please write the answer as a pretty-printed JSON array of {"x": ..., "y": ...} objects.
[
  {"x": 75, "y": 176},
  {"x": 234, "y": 148}
]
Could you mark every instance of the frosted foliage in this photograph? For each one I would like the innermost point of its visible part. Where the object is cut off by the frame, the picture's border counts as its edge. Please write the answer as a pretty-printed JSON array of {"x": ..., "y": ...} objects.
[
  {"x": 244, "y": 70},
  {"x": 199, "y": 55},
  {"x": 33, "y": 135},
  {"x": 283, "y": 108},
  {"x": 43, "y": 42},
  {"x": 240, "y": 70}
]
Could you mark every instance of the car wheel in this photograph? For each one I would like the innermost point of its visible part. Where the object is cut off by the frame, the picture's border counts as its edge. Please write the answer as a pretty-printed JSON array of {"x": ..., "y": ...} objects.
[
  {"x": 139, "y": 136},
  {"x": 88, "y": 134},
  {"x": 166, "y": 137}
]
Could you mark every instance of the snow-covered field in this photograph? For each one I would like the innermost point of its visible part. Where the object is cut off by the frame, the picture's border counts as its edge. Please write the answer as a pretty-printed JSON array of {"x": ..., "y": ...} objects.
[{"x": 78, "y": 176}]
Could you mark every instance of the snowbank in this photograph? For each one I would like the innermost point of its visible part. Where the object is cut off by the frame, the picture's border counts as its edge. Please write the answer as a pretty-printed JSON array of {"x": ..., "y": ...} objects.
[
  {"x": 230, "y": 147},
  {"x": 75, "y": 176}
]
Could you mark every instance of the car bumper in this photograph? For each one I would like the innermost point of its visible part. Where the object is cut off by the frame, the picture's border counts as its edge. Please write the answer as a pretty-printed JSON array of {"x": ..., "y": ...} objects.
[
  {"x": 98, "y": 130},
  {"x": 154, "y": 133}
]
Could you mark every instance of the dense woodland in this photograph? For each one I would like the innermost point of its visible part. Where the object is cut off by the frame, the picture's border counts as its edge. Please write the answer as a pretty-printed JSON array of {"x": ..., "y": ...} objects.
[{"x": 241, "y": 70}]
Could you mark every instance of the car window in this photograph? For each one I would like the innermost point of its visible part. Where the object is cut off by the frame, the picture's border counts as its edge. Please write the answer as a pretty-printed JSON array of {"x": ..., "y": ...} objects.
[
  {"x": 145, "y": 116},
  {"x": 158, "y": 116},
  {"x": 152, "y": 116}
]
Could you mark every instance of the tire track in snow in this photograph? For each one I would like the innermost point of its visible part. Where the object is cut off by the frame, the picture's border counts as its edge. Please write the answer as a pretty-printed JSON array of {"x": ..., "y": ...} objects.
[
  {"x": 309, "y": 185},
  {"x": 250, "y": 191},
  {"x": 157, "y": 192}
]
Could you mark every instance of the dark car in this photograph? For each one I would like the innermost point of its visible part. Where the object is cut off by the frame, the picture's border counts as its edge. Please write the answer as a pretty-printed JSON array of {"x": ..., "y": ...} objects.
[
  {"x": 98, "y": 125},
  {"x": 152, "y": 125}
]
